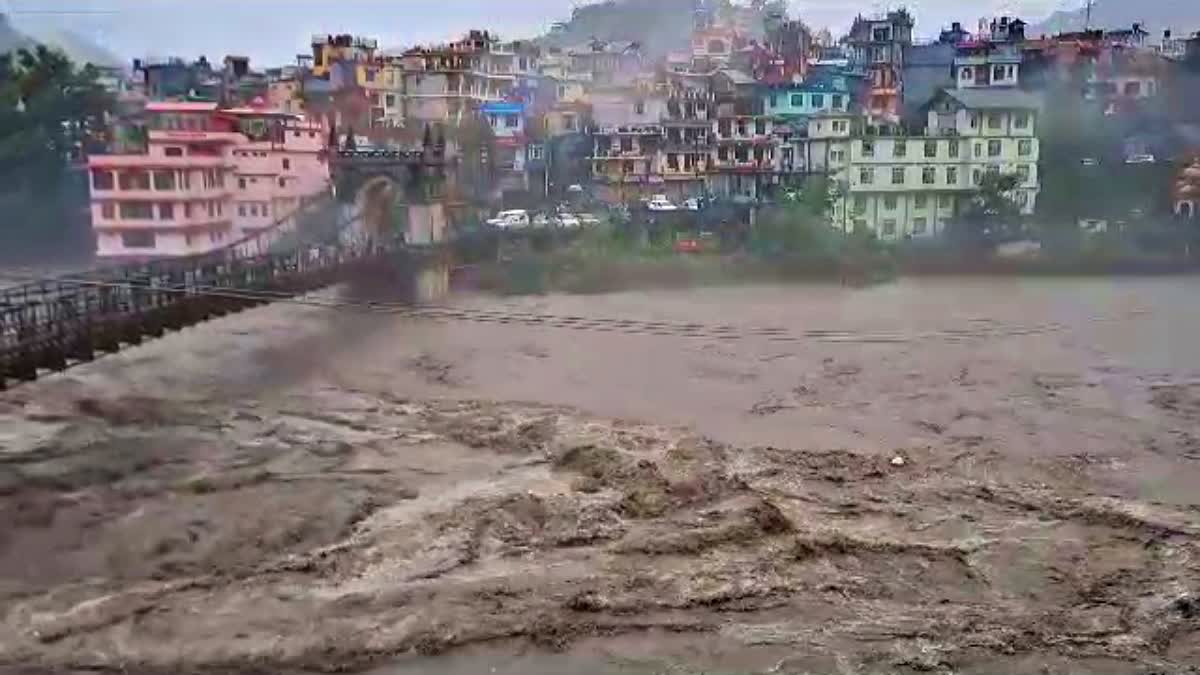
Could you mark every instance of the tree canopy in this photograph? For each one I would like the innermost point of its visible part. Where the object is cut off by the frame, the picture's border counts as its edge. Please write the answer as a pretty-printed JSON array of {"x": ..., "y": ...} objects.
[{"x": 50, "y": 112}]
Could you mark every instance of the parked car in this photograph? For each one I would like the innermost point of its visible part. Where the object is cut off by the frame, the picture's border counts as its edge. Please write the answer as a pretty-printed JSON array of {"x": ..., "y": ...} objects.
[
  {"x": 588, "y": 219},
  {"x": 510, "y": 220},
  {"x": 542, "y": 221},
  {"x": 661, "y": 203},
  {"x": 1140, "y": 159},
  {"x": 692, "y": 204},
  {"x": 568, "y": 221}
]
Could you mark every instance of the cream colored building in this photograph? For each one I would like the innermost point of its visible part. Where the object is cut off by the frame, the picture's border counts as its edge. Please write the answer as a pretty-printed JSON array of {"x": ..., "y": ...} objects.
[{"x": 914, "y": 186}]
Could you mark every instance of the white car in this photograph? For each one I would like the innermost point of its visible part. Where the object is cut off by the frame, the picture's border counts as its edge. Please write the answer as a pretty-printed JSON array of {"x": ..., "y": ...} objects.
[
  {"x": 1144, "y": 158},
  {"x": 692, "y": 204},
  {"x": 510, "y": 220},
  {"x": 568, "y": 220},
  {"x": 588, "y": 219},
  {"x": 661, "y": 203}
]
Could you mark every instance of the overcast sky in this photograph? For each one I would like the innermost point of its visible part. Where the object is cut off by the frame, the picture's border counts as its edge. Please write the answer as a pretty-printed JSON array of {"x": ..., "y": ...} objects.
[{"x": 274, "y": 31}]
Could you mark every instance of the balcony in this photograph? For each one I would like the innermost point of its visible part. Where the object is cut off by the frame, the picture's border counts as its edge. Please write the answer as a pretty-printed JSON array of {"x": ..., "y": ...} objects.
[
  {"x": 173, "y": 136},
  {"x": 160, "y": 162}
]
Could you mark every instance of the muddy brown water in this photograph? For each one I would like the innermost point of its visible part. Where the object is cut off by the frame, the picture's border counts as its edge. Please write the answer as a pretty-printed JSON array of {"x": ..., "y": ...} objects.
[{"x": 944, "y": 475}]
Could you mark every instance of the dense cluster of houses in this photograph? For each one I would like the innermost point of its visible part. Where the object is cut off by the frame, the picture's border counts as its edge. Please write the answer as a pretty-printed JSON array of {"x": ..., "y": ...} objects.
[{"x": 905, "y": 129}]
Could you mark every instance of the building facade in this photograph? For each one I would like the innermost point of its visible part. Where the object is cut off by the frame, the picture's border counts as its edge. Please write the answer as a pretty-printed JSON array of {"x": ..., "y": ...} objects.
[{"x": 202, "y": 178}]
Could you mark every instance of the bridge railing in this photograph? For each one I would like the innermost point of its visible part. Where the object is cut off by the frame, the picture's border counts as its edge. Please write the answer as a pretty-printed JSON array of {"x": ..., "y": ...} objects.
[{"x": 48, "y": 323}]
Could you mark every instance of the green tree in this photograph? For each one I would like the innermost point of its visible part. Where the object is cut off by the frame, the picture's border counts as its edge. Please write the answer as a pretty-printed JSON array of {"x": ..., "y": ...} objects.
[
  {"x": 51, "y": 114},
  {"x": 991, "y": 215},
  {"x": 799, "y": 225}
]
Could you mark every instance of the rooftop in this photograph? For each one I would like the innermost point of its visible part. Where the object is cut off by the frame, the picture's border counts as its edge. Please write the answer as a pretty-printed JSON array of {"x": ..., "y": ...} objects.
[{"x": 996, "y": 99}]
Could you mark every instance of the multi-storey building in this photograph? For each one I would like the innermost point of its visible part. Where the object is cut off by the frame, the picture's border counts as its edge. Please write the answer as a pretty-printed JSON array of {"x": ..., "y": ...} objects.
[
  {"x": 201, "y": 179},
  {"x": 627, "y": 139},
  {"x": 686, "y": 143},
  {"x": 914, "y": 185},
  {"x": 742, "y": 160},
  {"x": 877, "y": 49}
]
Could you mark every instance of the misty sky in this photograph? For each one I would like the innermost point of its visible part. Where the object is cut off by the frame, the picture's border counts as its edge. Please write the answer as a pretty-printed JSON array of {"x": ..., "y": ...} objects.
[{"x": 272, "y": 32}]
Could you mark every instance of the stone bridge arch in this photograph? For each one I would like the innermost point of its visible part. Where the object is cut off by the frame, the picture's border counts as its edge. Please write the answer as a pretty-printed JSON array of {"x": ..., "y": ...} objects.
[{"x": 394, "y": 193}]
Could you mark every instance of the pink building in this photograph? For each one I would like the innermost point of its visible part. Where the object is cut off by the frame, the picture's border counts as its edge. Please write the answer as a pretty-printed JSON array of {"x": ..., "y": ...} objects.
[{"x": 202, "y": 179}]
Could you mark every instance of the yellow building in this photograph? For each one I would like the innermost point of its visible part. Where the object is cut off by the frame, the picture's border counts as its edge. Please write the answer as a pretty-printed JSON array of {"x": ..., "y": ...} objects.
[{"x": 914, "y": 186}]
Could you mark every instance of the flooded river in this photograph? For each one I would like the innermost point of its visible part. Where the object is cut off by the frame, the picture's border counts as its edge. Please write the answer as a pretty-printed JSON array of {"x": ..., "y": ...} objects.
[{"x": 940, "y": 475}]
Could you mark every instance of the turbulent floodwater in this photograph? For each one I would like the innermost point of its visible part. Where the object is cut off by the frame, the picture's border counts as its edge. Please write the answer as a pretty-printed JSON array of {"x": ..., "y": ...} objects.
[{"x": 967, "y": 476}]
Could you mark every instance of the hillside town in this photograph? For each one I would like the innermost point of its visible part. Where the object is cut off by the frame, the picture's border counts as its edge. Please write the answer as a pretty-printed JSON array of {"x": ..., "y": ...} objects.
[{"x": 904, "y": 131}]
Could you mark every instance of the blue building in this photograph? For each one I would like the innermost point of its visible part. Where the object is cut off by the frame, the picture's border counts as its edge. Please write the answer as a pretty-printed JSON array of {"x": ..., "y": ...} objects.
[{"x": 823, "y": 92}]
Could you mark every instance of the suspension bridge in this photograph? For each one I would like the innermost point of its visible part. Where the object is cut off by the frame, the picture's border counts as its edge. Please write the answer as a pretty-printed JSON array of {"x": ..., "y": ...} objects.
[{"x": 48, "y": 324}]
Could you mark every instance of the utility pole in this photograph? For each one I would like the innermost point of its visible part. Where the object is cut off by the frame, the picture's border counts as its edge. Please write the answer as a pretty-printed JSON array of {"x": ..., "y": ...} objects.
[{"x": 1087, "y": 24}]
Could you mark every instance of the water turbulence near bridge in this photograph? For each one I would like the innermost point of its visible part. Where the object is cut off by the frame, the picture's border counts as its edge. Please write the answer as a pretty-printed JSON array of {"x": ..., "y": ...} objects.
[{"x": 386, "y": 236}]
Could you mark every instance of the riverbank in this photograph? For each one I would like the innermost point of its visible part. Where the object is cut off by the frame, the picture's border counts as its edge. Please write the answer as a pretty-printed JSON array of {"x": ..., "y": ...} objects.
[{"x": 568, "y": 272}]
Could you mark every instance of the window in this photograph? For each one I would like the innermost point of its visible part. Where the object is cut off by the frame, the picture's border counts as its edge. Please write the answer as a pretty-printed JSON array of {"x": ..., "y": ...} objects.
[
  {"x": 1133, "y": 88},
  {"x": 837, "y": 156},
  {"x": 977, "y": 177},
  {"x": 965, "y": 74},
  {"x": 919, "y": 225},
  {"x": 187, "y": 210},
  {"x": 137, "y": 239},
  {"x": 242, "y": 183},
  {"x": 283, "y": 182},
  {"x": 898, "y": 176},
  {"x": 889, "y": 227},
  {"x": 173, "y": 152},
  {"x": 979, "y": 149},
  {"x": 108, "y": 211},
  {"x": 841, "y": 126},
  {"x": 866, "y": 176},
  {"x": 164, "y": 180},
  {"x": 773, "y": 101},
  {"x": 928, "y": 175},
  {"x": 242, "y": 210},
  {"x": 166, "y": 211},
  {"x": 868, "y": 148},
  {"x": 512, "y": 121},
  {"x": 818, "y": 100},
  {"x": 952, "y": 175},
  {"x": 1023, "y": 172},
  {"x": 536, "y": 151},
  {"x": 945, "y": 202},
  {"x": 920, "y": 202},
  {"x": 254, "y": 209},
  {"x": 860, "y": 203},
  {"x": 1025, "y": 148},
  {"x": 1021, "y": 121},
  {"x": 136, "y": 211},
  {"x": 953, "y": 149},
  {"x": 797, "y": 100},
  {"x": 266, "y": 210},
  {"x": 102, "y": 180},
  {"x": 370, "y": 74},
  {"x": 890, "y": 202},
  {"x": 994, "y": 148},
  {"x": 931, "y": 149},
  {"x": 626, "y": 144},
  {"x": 974, "y": 121},
  {"x": 900, "y": 149},
  {"x": 135, "y": 180},
  {"x": 287, "y": 164},
  {"x": 999, "y": 72},
  {"x": 994, "y": 121},
  {"x": 639, "y": 108},
  {"x": 837, "y": 102},
  {"x": 723, "y": 154}
]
